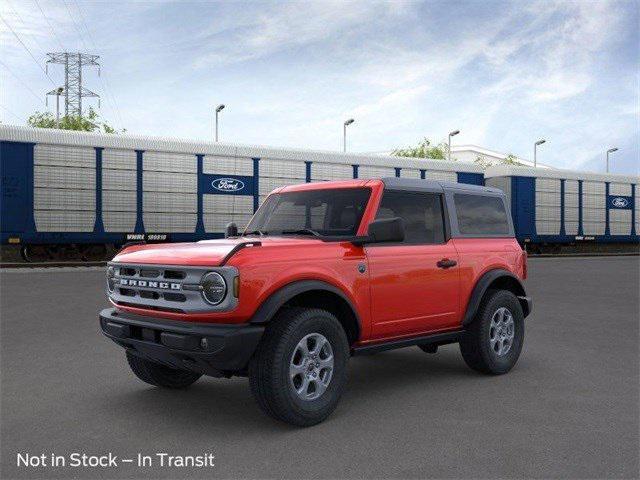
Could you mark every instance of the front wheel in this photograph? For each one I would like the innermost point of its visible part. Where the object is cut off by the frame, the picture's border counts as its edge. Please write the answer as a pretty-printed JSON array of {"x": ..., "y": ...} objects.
[
  {"x": 493, "y": 341},
  {"x": 298, "y": 372}
]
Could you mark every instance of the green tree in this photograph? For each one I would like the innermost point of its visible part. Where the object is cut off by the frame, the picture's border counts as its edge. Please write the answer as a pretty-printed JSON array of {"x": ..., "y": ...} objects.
[
  {"x": 91, "y": 122},
  {"x": 484, "y": 162},
  {"x": 424, "y": 149}
]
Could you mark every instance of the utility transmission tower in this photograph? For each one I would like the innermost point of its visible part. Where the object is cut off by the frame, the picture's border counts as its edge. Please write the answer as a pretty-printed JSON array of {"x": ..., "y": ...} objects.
[{"x": 73, "y": 91}]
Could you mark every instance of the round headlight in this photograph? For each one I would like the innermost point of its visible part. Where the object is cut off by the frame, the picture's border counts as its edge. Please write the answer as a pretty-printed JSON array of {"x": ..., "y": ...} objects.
[
  {"x": 214, "y": 288},
  {"x": 111, "y": 273}
]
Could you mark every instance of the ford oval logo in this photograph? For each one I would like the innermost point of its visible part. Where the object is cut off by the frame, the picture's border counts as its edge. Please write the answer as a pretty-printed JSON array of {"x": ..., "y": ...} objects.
[
  {"x": 227, "y": 184},
  {"x": 620, "y": 202}
]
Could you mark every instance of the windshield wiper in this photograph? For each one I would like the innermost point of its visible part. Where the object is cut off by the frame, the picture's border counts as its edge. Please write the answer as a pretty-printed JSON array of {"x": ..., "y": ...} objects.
[
  {"x": 302, "y": 231},
  {"x": 254, "y": 232}
]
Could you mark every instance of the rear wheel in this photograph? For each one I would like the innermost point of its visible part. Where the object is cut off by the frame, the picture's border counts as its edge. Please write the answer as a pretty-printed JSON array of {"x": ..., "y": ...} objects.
[
  {"x": 493, "y": 341},
  {"x": 298, "y": 372},
  {"x": 159, "y": 375}
]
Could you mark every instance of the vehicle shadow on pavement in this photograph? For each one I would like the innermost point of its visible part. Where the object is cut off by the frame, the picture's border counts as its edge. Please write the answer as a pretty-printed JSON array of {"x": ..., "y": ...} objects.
[{"x": 229, "y": 402}]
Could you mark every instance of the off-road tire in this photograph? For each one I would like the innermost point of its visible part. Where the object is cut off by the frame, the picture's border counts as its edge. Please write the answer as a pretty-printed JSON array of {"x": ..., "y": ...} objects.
[
  {"x": 160, "y": 375},
  {"x": 475, "y": 344},
  {"x": 269, "y": 366}
]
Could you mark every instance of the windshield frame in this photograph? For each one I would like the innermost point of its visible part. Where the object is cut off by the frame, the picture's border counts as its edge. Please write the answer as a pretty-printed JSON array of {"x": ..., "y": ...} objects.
[{"x": 255, "y": 228}]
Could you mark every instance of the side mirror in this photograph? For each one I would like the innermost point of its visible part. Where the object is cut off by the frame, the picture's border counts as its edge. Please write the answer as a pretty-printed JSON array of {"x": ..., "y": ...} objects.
[
  {"x": 383, "y": 230},
  {"x": 231, "y": 230}
]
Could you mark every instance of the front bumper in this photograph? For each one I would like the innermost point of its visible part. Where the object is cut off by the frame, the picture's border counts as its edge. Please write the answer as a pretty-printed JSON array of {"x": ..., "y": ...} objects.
[{"x": 210, "y": 349}]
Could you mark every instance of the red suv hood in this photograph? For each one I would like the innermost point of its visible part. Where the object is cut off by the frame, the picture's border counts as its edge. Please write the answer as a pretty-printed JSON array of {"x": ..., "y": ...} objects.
[{"x": 204, "y": 253}]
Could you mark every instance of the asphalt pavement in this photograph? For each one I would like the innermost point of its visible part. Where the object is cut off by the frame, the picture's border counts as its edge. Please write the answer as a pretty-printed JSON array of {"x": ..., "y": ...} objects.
[{"x": 569, "y": 409}]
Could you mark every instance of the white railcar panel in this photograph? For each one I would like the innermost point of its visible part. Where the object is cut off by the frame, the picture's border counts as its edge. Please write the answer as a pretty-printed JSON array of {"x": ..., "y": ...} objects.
[
  {"x": 61, "y": 177},
  {"x": 169, "y": 182},
  {"x": 547, "y": 184},
  {"x": 441, "y": 175},
  {"x": 269, "y": 184},
  {"x": 63, "y": 199},
  {"x": 571, "y": 228},
  {"x": 331, "y": 171},
  {"x": 169, "y": 222},
  {"x": 227, "y": 165},
  {"x": 571, "y": 216},
  {"x": 170, "y": 202},
  {"x": 547, "y": 227},
  {"x": 124, "y": 222},
  {"x": 64, "y": 220},
  {"x": 366, "y": 171},
  {"x": 119, "y": 201},
  {"x": 169, "y": 162},
  {"x": 64, "y": 156},
  {"x": 119, "y": 159},
  {"x": 119, "y": 180},
  {"x": 571, "y": 186},
  {"x": 270, "y": 168},
  {"x": 620, "y": 189},
  {"x": 216, "y": 223},
  {"x": 620, "y": 221},
  {"x": 503, "y": 183},
  {"x": 410, "y": 173},
  {"x": 237, "y": 204}
]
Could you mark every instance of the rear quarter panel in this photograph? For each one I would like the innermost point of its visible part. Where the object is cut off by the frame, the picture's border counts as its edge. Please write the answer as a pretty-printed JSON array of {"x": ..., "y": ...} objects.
[{"x": 479, "y": 255}]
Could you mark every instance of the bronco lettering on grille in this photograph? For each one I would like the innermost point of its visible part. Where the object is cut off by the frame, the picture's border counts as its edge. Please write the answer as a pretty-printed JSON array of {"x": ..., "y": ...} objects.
[{"x": 128, "y": 282}]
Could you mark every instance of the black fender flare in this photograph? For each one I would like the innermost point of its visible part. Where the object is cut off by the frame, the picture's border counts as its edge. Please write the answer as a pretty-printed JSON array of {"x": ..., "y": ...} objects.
[
  {"x": 482, "y": 285},
  {"x": 267, "y": 310}
]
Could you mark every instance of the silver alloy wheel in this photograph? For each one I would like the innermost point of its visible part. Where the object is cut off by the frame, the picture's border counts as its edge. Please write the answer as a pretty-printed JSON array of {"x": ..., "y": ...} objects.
[
  {"x": 501, "y": 331},
  {"x": 311, "y": 366}
]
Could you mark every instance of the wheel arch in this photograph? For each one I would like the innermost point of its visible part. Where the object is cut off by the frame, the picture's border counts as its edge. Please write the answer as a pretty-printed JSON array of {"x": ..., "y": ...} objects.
[
  {"x": 497, "y": 279},
  {"x": 313, "y": 294}
]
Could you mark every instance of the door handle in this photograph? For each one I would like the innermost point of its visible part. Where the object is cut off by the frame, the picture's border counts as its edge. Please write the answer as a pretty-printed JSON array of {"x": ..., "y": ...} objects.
[{"x": 446, "y": 263}]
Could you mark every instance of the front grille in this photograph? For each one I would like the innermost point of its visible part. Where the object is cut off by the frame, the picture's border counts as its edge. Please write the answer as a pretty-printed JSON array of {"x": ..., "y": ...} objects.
[{"x": 167, "y": 288}]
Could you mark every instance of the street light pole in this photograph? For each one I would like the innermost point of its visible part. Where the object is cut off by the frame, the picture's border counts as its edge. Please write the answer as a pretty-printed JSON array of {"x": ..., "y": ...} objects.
[
  {"x": 59, "y": 91},
  {"x": 344, "y": 133},
  {"x": 611, "y": 150},
  {"x": 535, "y": 151},
  {"x": 451, "y": 134},
  {"x": 219, "y": 108}
]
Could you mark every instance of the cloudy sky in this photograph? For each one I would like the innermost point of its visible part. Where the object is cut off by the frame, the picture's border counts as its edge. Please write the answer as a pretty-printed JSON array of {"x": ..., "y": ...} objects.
[{"x": 504, "y": 73}]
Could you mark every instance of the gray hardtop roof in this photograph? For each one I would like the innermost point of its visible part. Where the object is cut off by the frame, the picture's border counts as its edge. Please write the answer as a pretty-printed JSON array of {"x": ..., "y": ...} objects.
[{"x": 420, "y": 185}]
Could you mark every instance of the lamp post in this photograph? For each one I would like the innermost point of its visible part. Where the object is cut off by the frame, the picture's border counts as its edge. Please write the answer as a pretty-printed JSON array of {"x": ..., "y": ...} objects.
[
  {"x": 451, "y": 134},
  {"x": 535, "y": 151},
  {"x": 219, "y": 108},
  {"x": 57, "y": 92},
  {"x": 611, "y": 150},
  {"x": 344, "y": 133}
]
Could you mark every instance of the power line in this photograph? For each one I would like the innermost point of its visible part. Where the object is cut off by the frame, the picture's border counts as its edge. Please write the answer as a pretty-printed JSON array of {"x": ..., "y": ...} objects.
[
  {"x": 109, "y": 95},
  {"x": 27, "y": 49},
  {"x": 53, "y": 30},
  {"x": 10, "y": 112},
  {"x": 25, "y": 26},
  {"x": 22, "y": 82},
  {"x": 73, "y": 22}
]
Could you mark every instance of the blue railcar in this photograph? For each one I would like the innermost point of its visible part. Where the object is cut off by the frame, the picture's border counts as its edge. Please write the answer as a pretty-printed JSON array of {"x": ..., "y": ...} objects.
[
  {"x": 560, "y": 207},
  {"x": 77, "y": 191}
]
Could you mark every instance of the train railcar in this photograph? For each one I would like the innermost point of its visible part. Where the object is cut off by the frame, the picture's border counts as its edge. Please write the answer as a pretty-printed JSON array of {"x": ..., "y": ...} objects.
[
  {"x": 552, "y": 208},
  {"x": 77, "y": 194}
]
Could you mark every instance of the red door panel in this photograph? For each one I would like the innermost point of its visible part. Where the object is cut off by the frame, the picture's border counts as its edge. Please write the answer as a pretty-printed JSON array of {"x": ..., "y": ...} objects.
[{"x": 410, "y": 294}]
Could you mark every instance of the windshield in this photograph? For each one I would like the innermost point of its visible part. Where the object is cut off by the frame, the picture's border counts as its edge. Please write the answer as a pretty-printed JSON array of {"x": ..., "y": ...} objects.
[{"x": 327, "y": 212}]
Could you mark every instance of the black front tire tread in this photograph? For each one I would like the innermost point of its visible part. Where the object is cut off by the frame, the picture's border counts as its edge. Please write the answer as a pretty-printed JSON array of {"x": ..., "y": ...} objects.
[{"x": 271, "y": 396}]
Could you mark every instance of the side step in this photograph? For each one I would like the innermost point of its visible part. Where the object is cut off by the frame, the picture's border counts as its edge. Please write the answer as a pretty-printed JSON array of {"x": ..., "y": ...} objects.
[{"x": 433, "y": 339}]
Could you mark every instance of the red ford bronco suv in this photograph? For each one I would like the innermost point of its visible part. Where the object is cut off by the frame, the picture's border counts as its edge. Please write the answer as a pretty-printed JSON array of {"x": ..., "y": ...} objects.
[{"x": 322, "y": 272}]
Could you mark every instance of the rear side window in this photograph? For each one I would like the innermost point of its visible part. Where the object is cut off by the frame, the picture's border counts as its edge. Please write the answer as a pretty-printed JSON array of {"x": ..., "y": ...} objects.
[
  {"x": 481, "y": 215},
  {"x": 421, "y": 212}
]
